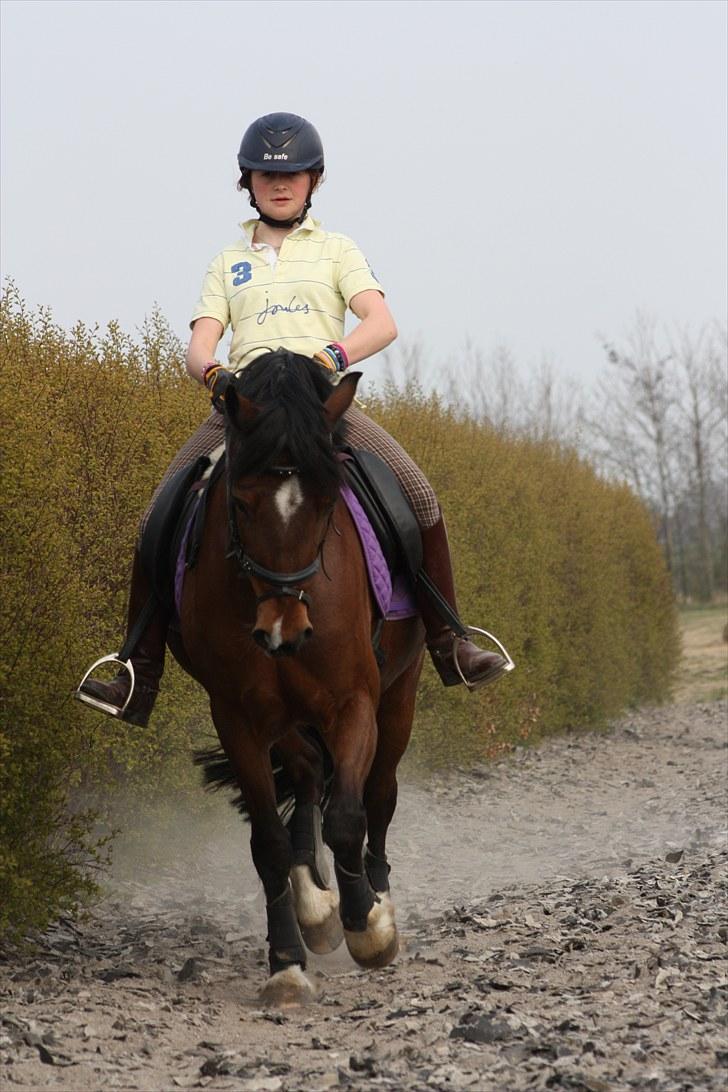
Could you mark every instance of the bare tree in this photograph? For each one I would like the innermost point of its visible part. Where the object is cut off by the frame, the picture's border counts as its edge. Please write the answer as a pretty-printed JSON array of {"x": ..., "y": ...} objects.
[
  {"x": 485, "y": 386},
  {"x": 633, "y": 422},
  {"x": 492, "y": 389},
  {"x": 659, "y": 421},
  {"x": 701, "y": 361}
]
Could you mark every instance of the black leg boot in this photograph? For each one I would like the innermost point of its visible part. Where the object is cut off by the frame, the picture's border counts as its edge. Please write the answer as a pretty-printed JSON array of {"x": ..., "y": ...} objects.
[
  {"x": 147, "y": 660},
  {"x": 478, "y": 667}
]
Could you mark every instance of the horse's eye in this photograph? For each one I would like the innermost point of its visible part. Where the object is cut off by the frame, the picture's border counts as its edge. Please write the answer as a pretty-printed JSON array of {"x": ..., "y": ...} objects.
[{"x": 241, "y": 506}]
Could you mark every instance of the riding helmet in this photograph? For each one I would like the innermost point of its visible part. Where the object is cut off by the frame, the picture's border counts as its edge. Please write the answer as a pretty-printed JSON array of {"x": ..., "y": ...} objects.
[{"x": 281, "y": 142}]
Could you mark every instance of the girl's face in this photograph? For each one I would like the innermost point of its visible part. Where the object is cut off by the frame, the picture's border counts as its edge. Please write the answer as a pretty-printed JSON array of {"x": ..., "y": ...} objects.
[{"x": 280, "y": 195}]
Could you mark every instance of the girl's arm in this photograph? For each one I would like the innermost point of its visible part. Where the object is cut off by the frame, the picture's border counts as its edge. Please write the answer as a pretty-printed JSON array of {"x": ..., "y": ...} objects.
[
  {"x": 206, "y": 334},
  {"x": 376, "y": 328}
]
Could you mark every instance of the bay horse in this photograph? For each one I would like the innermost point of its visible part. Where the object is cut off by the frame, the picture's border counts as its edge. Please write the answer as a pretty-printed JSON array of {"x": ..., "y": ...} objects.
[{"x": 276, "y": 622}]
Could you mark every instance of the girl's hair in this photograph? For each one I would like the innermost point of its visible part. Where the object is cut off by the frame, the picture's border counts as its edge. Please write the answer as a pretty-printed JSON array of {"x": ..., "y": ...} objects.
[{"x": 317, "y": 178}]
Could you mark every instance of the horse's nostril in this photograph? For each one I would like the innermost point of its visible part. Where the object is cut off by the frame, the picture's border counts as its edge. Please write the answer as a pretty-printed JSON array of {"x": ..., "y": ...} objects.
[{"x": 268, "y": 643}]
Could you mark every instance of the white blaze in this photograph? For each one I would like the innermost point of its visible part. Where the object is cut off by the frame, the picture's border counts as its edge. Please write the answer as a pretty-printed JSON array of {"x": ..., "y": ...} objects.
[{"x": 288, "y": 498}]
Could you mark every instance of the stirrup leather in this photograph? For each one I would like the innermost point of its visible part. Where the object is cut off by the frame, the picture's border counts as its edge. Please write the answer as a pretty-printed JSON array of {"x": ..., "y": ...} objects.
[
  {"x": 97, "y": 703},
  {"x": 508, "y": 666}
]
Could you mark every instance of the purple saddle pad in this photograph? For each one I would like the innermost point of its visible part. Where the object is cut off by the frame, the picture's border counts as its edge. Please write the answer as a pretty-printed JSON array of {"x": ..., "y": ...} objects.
[{"x": 394, "y": 598}]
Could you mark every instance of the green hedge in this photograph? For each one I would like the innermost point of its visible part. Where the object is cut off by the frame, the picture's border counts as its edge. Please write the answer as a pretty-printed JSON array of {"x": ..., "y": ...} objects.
[
  {"x": 562, "y": 566},
  {"x": 87, "y": 423}
]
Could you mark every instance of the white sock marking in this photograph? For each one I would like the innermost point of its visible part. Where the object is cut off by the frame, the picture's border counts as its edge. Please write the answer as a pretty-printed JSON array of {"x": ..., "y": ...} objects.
[{"x": 313, "y": 905}]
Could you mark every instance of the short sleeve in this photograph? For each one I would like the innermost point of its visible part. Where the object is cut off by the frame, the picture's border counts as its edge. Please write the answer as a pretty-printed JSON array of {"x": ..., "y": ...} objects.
[
  {"x": 355, "y": 273},
  {"x": 213, "y": 302}
]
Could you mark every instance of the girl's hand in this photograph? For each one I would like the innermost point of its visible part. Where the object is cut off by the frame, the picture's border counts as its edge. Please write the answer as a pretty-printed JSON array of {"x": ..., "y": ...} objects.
[{"x": 217, "y": 379}]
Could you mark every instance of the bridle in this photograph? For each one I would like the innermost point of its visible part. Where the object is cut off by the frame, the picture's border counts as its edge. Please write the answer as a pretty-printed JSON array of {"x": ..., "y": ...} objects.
[{"x": 283, "y": 583}]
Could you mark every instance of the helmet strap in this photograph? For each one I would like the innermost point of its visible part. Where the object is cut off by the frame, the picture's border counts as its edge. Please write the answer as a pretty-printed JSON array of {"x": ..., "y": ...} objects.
[
  {"x": 297, "y": 220},
  {"x": 269, "y": 220}
]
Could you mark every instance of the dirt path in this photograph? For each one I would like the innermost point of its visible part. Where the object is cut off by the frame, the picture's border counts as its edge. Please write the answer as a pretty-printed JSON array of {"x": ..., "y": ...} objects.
[{"x": 565, "y": 926}]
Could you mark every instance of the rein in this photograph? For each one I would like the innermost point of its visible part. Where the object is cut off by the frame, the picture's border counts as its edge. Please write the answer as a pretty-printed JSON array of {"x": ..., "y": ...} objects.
[{"x": 283, "y": 583}]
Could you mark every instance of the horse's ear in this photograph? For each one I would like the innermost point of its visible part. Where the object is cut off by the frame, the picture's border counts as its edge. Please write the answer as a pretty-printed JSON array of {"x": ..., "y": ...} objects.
[
  {"x": 238, "y": 408},
  {"x": 341, "y": 398}
]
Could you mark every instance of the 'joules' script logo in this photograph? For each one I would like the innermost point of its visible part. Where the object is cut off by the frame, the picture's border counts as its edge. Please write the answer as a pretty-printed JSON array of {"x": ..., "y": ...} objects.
[{"x": 272, "y": 309}]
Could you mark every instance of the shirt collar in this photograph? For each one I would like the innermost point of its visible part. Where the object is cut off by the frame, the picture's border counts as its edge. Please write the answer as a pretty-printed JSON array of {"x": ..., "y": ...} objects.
[{"x": 310, "y": 227}]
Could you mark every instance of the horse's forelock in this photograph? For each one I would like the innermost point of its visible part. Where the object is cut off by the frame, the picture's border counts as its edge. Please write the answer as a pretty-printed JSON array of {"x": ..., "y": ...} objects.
[{"x": 289, "y": 391}]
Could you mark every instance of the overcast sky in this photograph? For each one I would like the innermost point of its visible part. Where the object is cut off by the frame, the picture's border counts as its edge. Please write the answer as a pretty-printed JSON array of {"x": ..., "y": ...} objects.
[{"x": 527, "y": 173}]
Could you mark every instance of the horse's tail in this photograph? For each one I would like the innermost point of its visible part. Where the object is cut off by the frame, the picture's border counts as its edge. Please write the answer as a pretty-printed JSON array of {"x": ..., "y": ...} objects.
[{"x": 218, "y": 773}]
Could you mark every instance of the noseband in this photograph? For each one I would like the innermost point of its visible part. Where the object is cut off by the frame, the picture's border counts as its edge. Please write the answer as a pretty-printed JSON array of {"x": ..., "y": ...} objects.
[{"x": 283, "y": 583}]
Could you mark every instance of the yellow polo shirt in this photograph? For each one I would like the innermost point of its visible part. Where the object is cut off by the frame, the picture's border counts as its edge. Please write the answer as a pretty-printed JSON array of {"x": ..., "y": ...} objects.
[{"x": 296, "y": 300}]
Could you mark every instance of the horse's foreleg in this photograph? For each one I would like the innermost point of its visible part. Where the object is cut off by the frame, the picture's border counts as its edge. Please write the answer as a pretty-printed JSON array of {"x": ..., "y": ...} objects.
[
  {"x": 317, "y": 905},
  {"x": 270, "y": 846},
  {"x": 369, "y": 927}
]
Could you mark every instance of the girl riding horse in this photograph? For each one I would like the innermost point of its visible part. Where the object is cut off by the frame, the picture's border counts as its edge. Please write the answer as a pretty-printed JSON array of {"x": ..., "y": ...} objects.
[{"x": 288, "y": 283}]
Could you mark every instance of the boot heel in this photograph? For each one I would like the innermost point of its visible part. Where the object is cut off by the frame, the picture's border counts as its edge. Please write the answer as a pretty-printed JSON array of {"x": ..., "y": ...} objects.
[
  {"x": 98, "y": 703},
  {"x": 443, "y": 662}
]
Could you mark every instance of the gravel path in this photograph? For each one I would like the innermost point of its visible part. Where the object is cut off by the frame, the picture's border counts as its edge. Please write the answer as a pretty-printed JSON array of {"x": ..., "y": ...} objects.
[{"x": 565, "y": 923}]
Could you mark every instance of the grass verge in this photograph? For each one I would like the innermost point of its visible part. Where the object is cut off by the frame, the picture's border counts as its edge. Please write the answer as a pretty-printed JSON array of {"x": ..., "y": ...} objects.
[{"x": 703, "y": 671}]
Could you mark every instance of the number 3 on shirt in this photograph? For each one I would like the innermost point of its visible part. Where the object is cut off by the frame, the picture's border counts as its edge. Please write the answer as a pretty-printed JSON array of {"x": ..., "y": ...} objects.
[{"x": 243, "y": 272}]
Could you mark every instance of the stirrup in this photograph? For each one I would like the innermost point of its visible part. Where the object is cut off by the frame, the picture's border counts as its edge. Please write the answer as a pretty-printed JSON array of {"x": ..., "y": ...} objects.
[
  {"x": 97, "y": 703},
  {"x": 508, "y": 666}
]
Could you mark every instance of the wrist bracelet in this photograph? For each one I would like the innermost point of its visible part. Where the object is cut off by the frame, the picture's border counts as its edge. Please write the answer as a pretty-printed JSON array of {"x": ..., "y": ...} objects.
[
  {"x": 336, "y": 354},
  {"x": 341, "y": 353},
  {"x": 327, "y": 358},
  {"x": 211, "y": 364}
]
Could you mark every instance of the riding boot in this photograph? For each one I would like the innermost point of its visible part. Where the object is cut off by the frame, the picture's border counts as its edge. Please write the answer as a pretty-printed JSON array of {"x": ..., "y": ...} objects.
[
  {"x": 477, "y": 667},
  {"x": 147, "y": 660}
]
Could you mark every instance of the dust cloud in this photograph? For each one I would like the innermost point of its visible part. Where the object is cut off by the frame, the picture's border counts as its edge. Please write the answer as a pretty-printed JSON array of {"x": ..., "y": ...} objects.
[{"x": 584, "y": 804}]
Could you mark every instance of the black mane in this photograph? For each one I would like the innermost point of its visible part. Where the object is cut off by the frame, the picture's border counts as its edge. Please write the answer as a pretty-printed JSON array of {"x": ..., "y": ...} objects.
[{"x": 288, "y": 391}]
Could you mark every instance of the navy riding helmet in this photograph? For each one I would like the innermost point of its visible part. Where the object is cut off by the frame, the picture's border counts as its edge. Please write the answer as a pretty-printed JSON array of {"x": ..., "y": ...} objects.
[{"x": 280, "y": 142}]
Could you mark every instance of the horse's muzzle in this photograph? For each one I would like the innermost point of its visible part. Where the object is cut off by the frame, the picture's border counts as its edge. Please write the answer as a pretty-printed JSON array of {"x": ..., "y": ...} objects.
[
  {"x": 282, "y": 632},
  {"x": 285, "y": 648}
]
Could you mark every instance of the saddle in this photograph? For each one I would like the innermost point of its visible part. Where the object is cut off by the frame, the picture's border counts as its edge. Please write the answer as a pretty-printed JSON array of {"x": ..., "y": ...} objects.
[
  {"x": 378, "y": 491},
  {"x": 182, "y": 499},
  {"x": 173, "y": 532}
]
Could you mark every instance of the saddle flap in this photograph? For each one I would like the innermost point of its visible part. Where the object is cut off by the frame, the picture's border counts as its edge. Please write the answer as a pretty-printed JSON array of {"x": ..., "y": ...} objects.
[
  {"x": 381, "y": 497},
  {"x": 155, "y": 547}
]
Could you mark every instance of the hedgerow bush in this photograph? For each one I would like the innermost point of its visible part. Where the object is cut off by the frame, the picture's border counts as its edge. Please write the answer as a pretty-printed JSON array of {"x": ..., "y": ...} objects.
[
  {"x": 88, "y": 421},
  {"x": 561, "y": 565}
]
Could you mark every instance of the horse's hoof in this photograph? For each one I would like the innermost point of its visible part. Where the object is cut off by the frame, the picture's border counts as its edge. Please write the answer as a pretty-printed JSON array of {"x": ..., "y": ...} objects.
[
  {"x": 324, "y": 938},
  {"x": 317, "y": 912},
  {"x": 379, "y": 943},
  {"x": 287, "y": 989}
]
